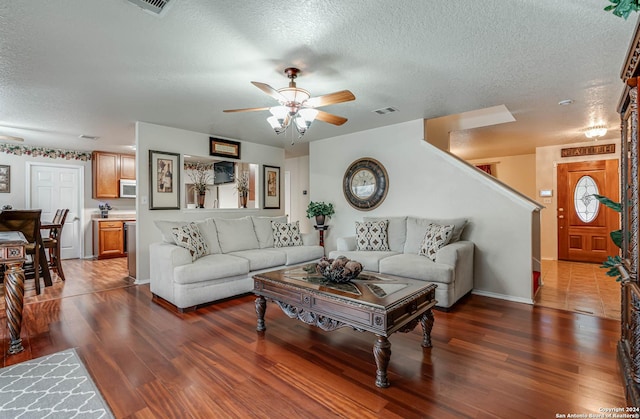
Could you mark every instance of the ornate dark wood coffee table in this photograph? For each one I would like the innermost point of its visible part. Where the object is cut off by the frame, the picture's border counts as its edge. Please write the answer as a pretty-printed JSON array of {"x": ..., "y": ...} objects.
[{"x": 381, "y": 304}]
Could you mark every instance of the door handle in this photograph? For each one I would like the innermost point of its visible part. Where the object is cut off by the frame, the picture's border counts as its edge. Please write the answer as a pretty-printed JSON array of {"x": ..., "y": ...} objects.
[{"x": 560, "y": 216}]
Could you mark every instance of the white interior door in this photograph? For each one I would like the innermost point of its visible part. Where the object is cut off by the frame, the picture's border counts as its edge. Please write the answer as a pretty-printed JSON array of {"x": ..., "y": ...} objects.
[{"x": 57, "y": 186}]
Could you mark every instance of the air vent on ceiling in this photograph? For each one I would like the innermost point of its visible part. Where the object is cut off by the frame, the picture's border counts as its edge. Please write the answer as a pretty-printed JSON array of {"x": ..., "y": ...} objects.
[
  {"x": 152, "y": 6},
  {"x": 384, "y": 111},
  {"x": 88, "y": 137}
]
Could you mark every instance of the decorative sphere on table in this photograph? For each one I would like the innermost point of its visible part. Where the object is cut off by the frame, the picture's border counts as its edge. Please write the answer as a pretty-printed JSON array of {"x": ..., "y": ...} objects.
[{"x": 340, "y": 269}]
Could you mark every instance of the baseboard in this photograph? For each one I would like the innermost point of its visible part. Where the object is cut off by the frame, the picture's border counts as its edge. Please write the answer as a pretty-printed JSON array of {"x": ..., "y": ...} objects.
[
  {"x": 503, "y": 297},
  {"x": 141, "y": 281}
]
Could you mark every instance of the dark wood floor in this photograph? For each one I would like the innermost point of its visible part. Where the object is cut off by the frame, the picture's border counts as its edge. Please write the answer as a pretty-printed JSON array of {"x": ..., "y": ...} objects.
[{"x": 490, "y": 359}]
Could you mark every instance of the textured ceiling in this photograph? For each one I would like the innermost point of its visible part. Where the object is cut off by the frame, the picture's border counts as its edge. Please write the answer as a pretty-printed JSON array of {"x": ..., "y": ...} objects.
[{"x": 71, "y": 67}]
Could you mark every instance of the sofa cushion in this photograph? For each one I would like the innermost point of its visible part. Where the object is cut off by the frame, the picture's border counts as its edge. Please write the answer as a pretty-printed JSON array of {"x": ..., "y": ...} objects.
[
  {"x": 262, "y": 258},
  {"x": 263, "y": 229},
  {"x": 299, "y": 254},
  {"x": 372, "y": 235},
  {"x": 417, "y": 267},
  {"x": 286, "y": 234},
  {"x": 417, "y": 228},
  {"x": 209, "y": 232},
  {"x": 210, "y": 267},
  {"x": 236, "y": 234},
  {"x": 166, "y": 229},
  {"x": 396, "y": 231},
  {"x": 370, "y": 259},
  {"x": 437, "y": 237},
  {"x": 189, "y": 237}
]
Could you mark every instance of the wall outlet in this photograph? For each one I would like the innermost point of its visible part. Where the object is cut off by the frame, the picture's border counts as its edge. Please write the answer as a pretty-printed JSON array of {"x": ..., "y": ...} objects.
[{"x": 546, "y": 201}]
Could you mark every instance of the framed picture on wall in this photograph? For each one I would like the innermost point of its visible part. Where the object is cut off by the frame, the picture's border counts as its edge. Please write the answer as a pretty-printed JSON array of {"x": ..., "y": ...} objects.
[
  {"x": 5, "y": 178},
  {"x": 164, "y": 180},
  {"x": 271, "y": 176},
  {"x": 224, "y": 148}
]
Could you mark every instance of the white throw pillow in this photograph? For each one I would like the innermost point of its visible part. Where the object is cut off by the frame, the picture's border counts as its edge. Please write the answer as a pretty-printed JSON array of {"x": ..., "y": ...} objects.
[
  {"x": 436, "y": 238},
  {"x": 417, "y": 228},
  {"x": 372, "y": 235},
  {"x": 396, "y": 231},
  {"x": 236, "y": 234},
  {"x": 286, "y": 234},
  {"x": 189, "y": 237},
  {"x": 166, "y": 229},
  {"x": 264, "y": 230}
]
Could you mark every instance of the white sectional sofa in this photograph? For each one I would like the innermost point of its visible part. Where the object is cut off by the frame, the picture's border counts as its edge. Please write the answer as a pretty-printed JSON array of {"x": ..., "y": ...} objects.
[
  {"x": 237, "y": 249},
  {"x": 452, "y": 269}
]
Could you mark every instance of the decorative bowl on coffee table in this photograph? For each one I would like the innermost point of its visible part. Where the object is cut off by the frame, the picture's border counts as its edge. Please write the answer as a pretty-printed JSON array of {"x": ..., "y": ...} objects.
[{"x": 340, "y": 269}]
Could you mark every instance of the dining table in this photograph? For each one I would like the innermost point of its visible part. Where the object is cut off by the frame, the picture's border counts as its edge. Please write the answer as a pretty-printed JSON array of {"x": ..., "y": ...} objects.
[
  {"x": 12, "y": 255},
  {"x": 46, "y": 275}
]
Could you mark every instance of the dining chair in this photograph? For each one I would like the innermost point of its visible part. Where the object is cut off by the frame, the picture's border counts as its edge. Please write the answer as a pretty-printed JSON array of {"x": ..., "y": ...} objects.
[
  {"x": 28, "y": 222},
  {"x": 53, "y": 242}
]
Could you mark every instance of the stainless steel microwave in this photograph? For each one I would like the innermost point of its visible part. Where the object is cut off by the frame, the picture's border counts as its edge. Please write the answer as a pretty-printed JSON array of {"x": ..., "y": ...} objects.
[{"x": 127, "y": 188}]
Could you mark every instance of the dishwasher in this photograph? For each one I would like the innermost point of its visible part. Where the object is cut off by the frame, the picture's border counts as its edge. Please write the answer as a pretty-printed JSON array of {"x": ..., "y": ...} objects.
[{"x": 130, "y": 228}]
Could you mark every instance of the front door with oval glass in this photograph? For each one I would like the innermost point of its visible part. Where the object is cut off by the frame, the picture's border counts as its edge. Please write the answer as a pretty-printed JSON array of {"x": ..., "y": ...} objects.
[{"x": 583, "y": 223}]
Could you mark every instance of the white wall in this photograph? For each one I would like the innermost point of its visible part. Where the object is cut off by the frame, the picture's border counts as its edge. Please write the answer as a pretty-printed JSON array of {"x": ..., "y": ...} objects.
[
  {"x": 17, "y": 197},
  {"x": 427, "y": 182},
  {"x": 547, "y": 159},
  {"x": 174, "y": 140},
  {"x": 299, "y": 169}
]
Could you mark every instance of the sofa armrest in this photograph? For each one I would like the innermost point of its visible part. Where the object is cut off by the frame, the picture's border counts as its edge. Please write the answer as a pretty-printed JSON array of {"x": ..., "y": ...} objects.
[
  {"x": 346, "y": 244},
  {"x": 164, "y": 257},
  {"x": 460, "y": 256},
  {"x": 310, "y": 239},
  {"x": 454, "y": 253}
]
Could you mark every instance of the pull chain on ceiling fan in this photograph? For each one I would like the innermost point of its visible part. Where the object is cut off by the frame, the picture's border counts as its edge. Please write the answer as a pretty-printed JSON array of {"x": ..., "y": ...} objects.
[{"x": 297, "y": 107}]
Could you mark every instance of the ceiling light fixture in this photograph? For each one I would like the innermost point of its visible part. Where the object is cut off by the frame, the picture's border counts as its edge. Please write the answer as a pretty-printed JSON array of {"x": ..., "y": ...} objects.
[
  {"x": 297, "y": 107},
  {"x": 291, "y": 110},
  {"x": 596, "y": 131}
]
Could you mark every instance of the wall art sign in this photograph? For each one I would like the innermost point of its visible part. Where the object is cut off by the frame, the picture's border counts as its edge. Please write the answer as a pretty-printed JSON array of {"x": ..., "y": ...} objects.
[
  {"x": 164, "y": 180},
  {"x": 224, "y": 148},
  {"x": 271, "y": 187},
  {"x": 588, "y": 150},
  {"x": 5, "y": 178}
]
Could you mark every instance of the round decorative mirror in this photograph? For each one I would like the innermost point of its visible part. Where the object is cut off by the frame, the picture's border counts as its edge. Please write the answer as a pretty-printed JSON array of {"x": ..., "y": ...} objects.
[{"x": 365, "y": 184}]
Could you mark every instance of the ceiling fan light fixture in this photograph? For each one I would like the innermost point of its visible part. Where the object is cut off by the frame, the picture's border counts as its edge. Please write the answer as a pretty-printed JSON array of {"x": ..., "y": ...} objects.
[
  {"x": 596, "y": 131},
  {"x": 294, "y": 95}
]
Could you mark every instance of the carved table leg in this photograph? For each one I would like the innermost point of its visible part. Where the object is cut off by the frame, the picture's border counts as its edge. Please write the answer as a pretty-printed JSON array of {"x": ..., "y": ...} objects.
[
  {"x": 261, "y": 307},
  {"x": 382, "y": 354},
  {"x": 14, "y": 301},
  {"x": 427, "y": 324}
]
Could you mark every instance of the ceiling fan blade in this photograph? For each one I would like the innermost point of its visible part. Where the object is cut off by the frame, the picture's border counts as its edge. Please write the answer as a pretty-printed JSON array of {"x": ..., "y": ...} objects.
[
  {"x": 10, "y": 138},
  {"x": 246, "y": 110},
  {"x": 330, "y": 99},
  {"x": 270, "y": 91},
  {"x": 330, "y": 118}
]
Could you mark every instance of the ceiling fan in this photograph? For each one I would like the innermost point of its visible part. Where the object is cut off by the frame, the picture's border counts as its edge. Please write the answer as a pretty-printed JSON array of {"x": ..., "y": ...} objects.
[{"x": 297, "y": 107}]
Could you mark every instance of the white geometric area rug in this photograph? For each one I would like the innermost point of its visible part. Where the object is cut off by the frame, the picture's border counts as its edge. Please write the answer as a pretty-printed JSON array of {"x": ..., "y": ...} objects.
[{"x": 53, "y": 386}]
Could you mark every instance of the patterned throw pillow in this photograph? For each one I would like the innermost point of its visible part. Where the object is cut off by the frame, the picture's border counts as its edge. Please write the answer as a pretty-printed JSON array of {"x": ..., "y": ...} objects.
[
  {"x": 286, "y": 234},
  {"x": 189, "y": 237},
  {"x": 437, "y": 237},
  {"x": 372, "y": 235}
]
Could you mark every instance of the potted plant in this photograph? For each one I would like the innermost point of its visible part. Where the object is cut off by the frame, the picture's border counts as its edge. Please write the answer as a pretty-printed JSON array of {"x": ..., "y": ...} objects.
[
  {"x": 320, "y": 210},
  {"x": 201, "y": 176},
  {"x": 242, "y": 185},
  {"x": 104, "y": 209}
]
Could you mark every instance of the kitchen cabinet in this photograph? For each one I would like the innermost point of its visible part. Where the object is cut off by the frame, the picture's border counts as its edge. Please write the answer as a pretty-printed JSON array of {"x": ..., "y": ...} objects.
[
  {"x": 108, "y": 238},
  {"x": 128, "y": 166},
  {"x": 107, "y": 170}
]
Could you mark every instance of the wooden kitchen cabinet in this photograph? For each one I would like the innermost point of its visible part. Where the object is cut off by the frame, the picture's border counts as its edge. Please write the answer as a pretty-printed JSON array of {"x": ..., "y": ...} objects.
[
  {"x": 107, "y": 170},
  {"x": 108, "y": 239},
  {"x": 128, "y": 166}
]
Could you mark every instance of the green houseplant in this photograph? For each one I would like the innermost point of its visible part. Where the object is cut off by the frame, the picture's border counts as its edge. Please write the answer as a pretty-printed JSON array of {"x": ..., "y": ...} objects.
[
  {"x": 612, "y": 262},
  {"x": 320, "y": 210}
]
